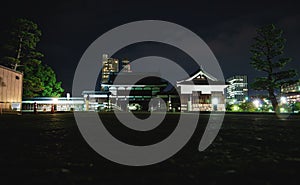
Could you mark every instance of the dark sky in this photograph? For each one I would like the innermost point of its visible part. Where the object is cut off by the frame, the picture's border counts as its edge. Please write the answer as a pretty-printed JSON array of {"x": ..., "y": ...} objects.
[{"x": 69, "y": 27}]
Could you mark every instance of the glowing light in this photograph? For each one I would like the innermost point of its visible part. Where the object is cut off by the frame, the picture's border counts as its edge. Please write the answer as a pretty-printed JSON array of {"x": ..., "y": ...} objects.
[
  {"x": 283, "y": 100},
  {"x": 256, "y": 103},
  {"x": 215, "y": 101},
  {"x": 235, "y": 108},
  {"x": 282, "y": 110},
  {"x": 54, "y": 100}
]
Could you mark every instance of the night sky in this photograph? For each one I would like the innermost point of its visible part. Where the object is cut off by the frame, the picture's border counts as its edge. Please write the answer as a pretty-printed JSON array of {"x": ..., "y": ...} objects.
[{"x": 69, "y": 27}]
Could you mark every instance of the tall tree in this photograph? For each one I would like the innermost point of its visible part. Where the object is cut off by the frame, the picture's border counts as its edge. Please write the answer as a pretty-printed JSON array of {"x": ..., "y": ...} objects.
[
  {"x": 267, "y": 56},
  {"x": 21, "y": 53},
  {"x": 21, "y": 44}
]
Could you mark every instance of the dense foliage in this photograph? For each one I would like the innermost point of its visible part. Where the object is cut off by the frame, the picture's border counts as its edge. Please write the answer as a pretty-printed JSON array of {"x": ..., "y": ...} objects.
[{"x": 20, "y": 53}]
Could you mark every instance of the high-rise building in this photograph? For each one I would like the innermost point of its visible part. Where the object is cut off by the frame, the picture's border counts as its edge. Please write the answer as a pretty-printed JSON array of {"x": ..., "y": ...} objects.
[
  {"x": 237, "y": 90},
  {"x": 109, "y": 65},
  {"x": 126, "y": 65},
  {"x": 291, "y": 92}
]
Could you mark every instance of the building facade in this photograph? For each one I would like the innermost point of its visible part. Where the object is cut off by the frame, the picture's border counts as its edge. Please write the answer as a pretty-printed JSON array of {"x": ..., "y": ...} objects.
[
  {"x": 11, "y": 88},
  {"x": 124, "y": 92},
  {"x": 45, "y": 104},
  {"x": 237, "y": 90},
  {"x": 109, "y": 65},
  {"x": 291, "y": 92},
  {"x": 202, "y": 92},
  {"x": 126, "y": 66}
]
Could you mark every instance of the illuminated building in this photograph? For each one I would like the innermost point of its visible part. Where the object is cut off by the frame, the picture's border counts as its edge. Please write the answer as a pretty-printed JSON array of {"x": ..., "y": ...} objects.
[
  {"x": 11, "y": 85},
  {"x": 124, "y": 92},
  {"x": 126, "y": 66},
  {"x": 62, "y": 104},
  {"x": 237, "y": 90},
  {"x": 202, "y": 92},
  {"x": 109, "y": 65},
  {"x": 291, "y": 92}
]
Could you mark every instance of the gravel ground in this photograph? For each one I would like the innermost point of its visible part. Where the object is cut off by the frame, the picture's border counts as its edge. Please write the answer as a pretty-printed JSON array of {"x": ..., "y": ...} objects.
[{"x": 249, "y": 149}]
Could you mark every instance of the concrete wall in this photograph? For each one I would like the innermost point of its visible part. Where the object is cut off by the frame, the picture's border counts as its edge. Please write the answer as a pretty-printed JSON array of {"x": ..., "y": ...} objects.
[{"x": 11, "y": 84}]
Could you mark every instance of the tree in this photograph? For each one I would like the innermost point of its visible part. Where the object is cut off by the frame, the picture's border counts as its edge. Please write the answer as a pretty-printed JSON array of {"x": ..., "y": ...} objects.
[
  {"x": 32, "y": 84},
  {"x": 267, "y": 56},
  {"x": 297, "y": 106},
  {"x": 21, "y": 44},
  {"x": 21, "y": 53},
  {"x": 52, "y": 88}
]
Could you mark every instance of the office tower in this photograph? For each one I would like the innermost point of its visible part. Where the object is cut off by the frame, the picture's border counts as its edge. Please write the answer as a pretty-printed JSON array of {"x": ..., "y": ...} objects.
[
  {"x": 237, "y": 90},
  {"x": 109, "y": 65}
]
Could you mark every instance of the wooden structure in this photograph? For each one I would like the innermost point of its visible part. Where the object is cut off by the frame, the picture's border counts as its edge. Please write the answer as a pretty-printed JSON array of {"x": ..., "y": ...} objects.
[
  {"x": 202, "y": 92},
  {"x": 11, "y": 85}
]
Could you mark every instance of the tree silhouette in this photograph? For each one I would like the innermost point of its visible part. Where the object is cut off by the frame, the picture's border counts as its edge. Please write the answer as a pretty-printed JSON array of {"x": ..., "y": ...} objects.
[{"x": 267, "y": 56}]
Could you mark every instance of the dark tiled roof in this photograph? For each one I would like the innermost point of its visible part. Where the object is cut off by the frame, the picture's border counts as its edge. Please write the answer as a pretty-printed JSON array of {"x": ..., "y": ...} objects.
[
  {"x": 202, "y": 79},
  {"x": 204, "y": 82}
]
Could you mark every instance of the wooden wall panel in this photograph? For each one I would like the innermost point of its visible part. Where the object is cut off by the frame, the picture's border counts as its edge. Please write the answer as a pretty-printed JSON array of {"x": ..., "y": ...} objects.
[{"x": 10, "y": 87}]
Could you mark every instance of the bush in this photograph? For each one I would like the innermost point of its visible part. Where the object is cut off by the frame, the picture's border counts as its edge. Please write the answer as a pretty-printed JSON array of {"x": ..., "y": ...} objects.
[
  {"x": 247, "y": 107},
  {"x": 297, "y": 106}
]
